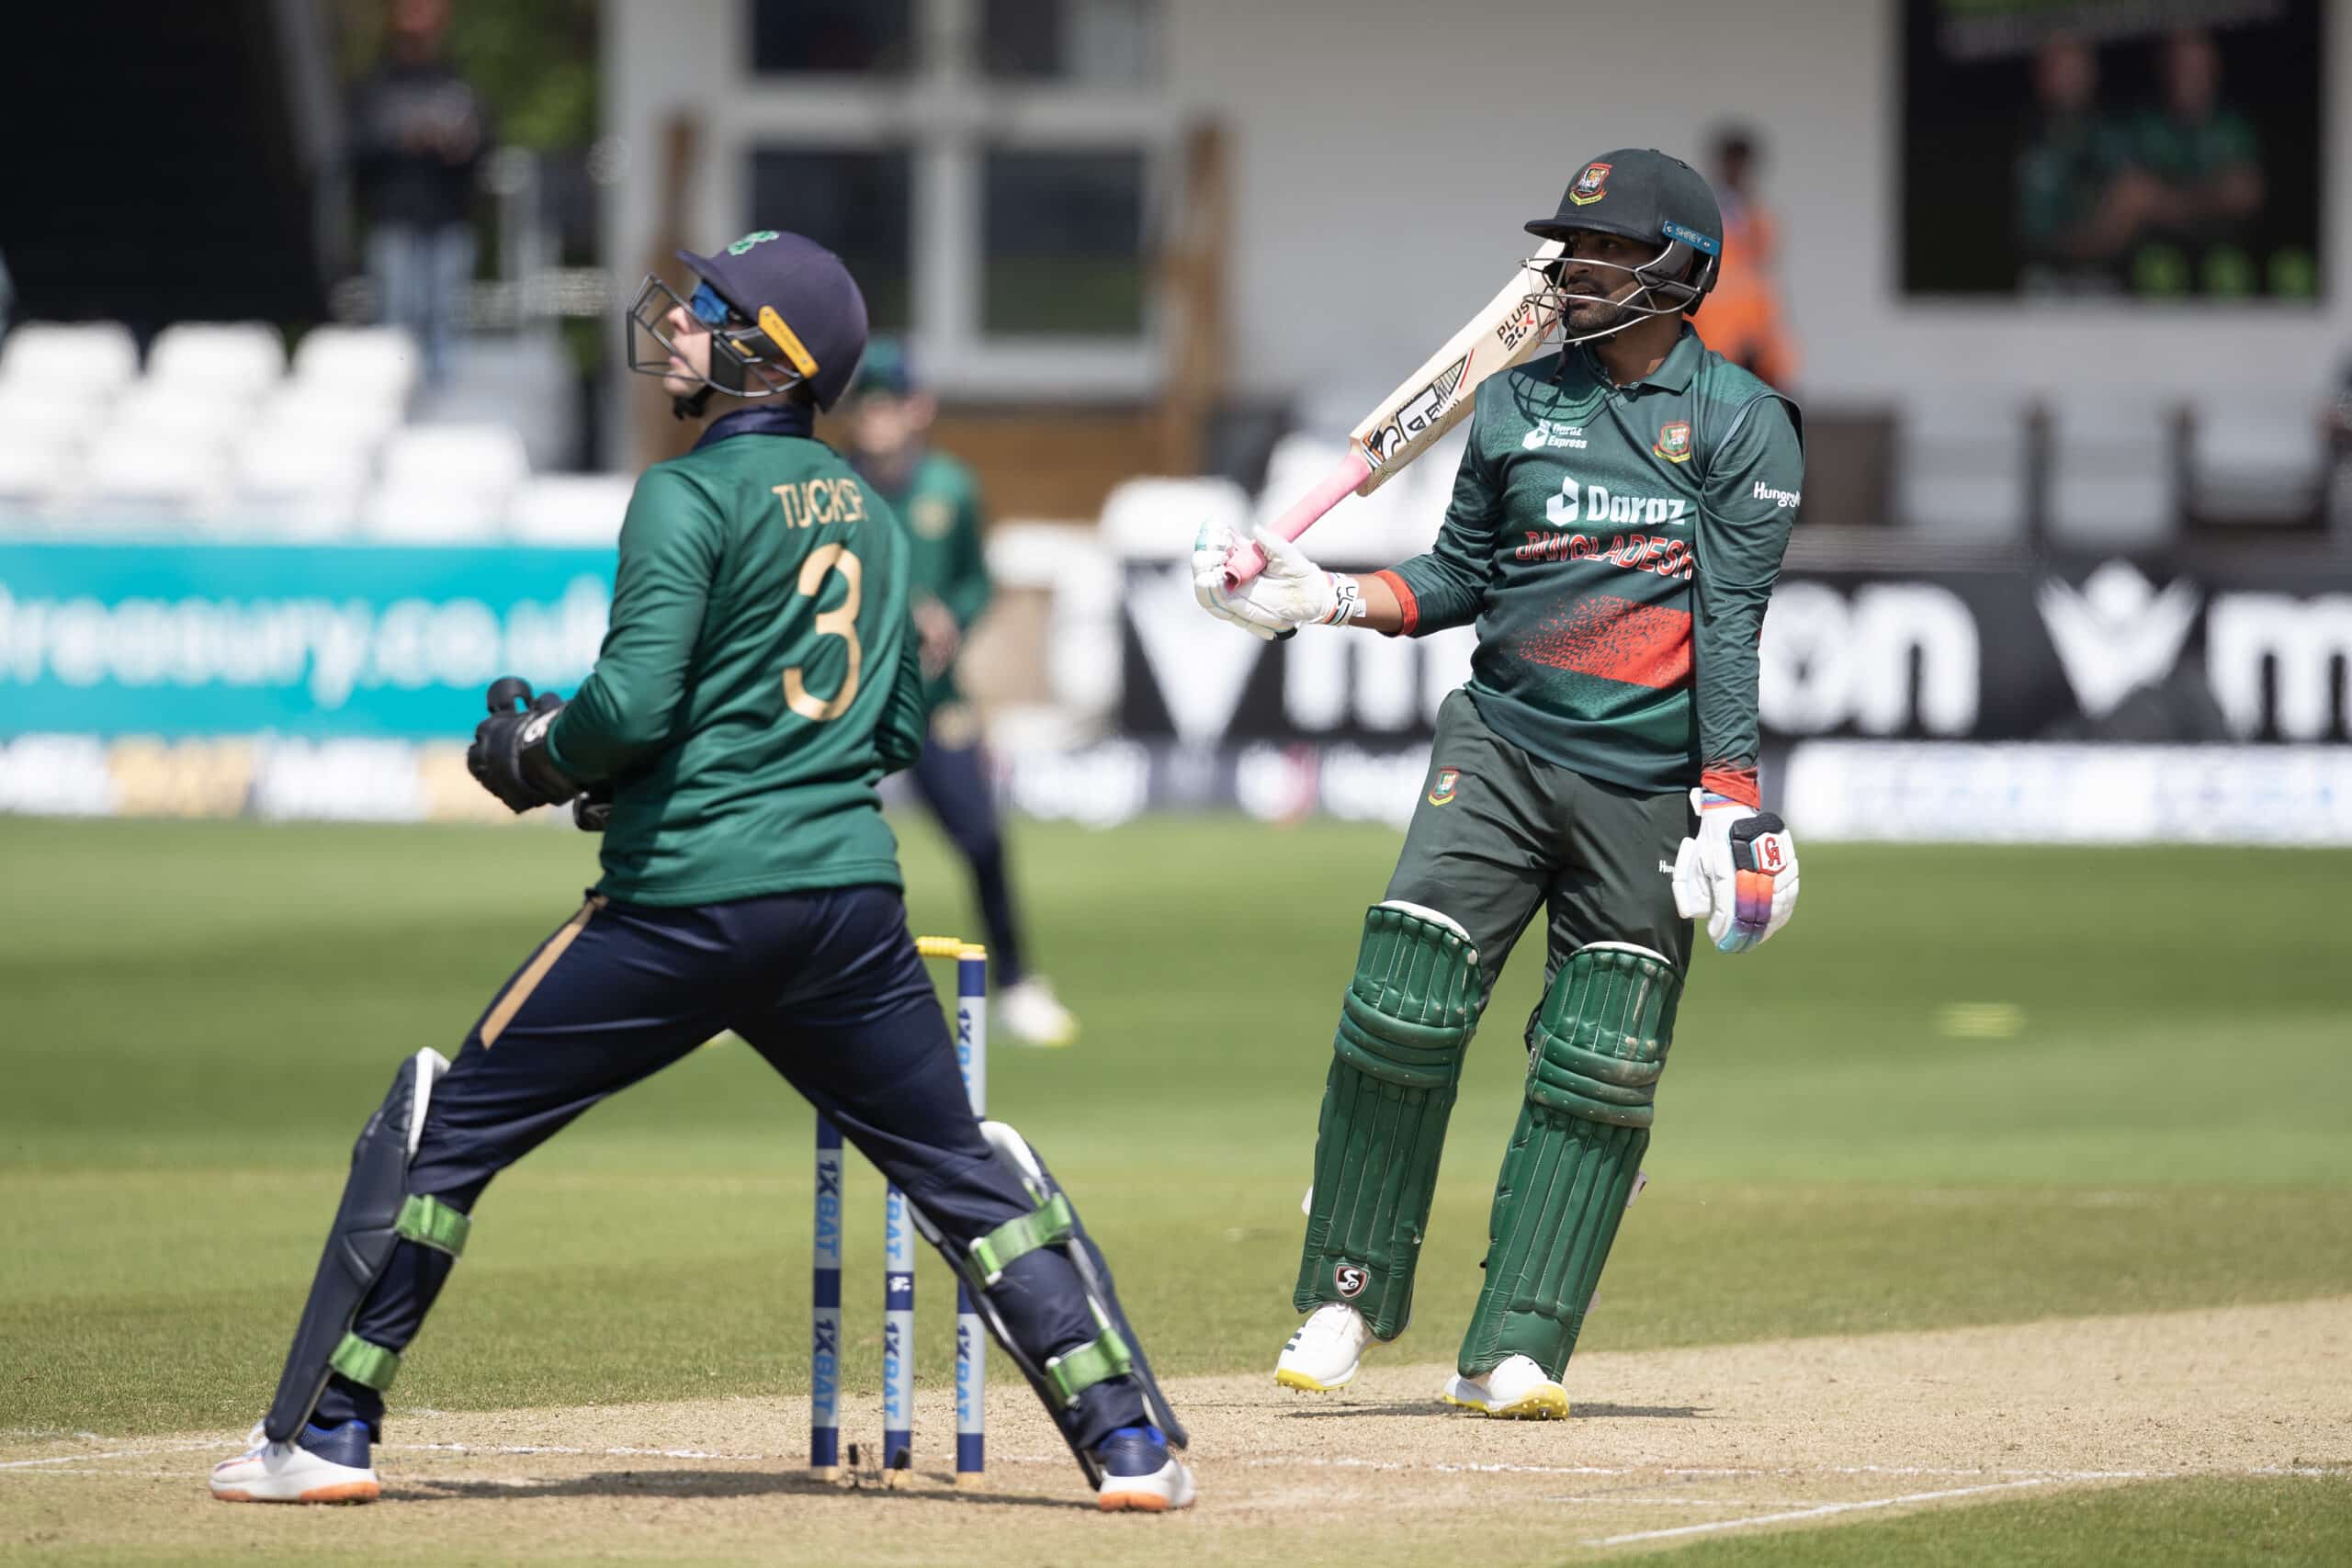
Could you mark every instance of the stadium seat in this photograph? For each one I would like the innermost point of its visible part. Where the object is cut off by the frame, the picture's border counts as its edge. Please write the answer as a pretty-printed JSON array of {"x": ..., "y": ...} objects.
[
  {"x": 34, "y": 477},
  {"x": 240, "y": 360},
  {"x": 2256, "y": 462},
  {"x": 1961, "y": 464},
  {"x": 459, "y": 457},
  {"x": 29, "y": 417},
  {"x": 286, "y": 489},
  {"x": 151, "y": 481},
  {"x": 379, "y": 363},
  {"x": 2112, "y": 462},
  {"x": 176, "y": 413},
  {"x": 1154, "y": 519},
  {"x": 571, "y": 509},
  {"x": 82, "y": 360},
  {"x": 427, "y": 513}
]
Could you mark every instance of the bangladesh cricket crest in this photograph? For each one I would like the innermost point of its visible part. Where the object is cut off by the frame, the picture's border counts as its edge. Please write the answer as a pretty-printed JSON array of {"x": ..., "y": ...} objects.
[
  {"x": 1673, "y": 441},
  {"x": 1591, "y": 185},
  {"x": 1442, "y": 786}
]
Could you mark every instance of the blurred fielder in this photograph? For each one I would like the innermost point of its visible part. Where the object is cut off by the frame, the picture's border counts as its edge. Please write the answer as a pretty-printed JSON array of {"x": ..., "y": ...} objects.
[
  {"x": 1615, "y": 530},
  {"x": 938, "y": 500},
  {"x": 758, "y": 679}
]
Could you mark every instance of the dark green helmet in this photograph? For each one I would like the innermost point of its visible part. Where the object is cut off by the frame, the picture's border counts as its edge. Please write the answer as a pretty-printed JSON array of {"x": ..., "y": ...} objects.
[{"x": 1642, "y": 194}]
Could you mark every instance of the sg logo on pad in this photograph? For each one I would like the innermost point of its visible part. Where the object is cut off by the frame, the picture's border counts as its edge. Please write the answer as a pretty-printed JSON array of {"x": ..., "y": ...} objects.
[{"x": 1350, "y": 1279}]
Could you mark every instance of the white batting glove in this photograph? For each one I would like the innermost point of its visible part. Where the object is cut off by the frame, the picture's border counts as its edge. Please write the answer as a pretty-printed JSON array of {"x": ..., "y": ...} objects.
[
  {"x": 1293, "y": 591},
  {"x": 1740, "y": 874}
]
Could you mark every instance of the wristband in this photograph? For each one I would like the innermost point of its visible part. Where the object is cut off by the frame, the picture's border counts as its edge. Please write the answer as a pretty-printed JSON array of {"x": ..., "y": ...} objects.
[{"x": 1347, "y": 600}]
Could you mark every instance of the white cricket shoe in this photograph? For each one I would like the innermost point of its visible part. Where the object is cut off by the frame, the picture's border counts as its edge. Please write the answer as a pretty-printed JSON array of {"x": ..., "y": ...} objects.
[
  {"x": 1031, "y": 1014},
  {"x": 1327, "y": 1351},
  {"x": 1141, "y": 1474},
  {"x": 1519, "y": 1390},
  {"x": 288, "y": 1473}
]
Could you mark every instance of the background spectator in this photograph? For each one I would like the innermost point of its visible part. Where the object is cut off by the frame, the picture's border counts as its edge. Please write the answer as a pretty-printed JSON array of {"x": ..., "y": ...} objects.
[
  {"x": 419, "y": 132},
  {"x": 1742, "y": 319}
]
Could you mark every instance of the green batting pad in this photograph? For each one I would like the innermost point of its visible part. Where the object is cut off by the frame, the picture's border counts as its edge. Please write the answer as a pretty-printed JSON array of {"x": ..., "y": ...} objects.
[
  {"x": 428, "y": 1221},
  {"x": 1405, "y": 1025},
  {"x": 370, "y": 1366},
  {"x": 1599, "y": 1045}
]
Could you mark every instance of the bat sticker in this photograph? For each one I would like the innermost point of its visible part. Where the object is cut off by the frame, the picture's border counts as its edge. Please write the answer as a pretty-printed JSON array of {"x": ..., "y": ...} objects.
[{"x": 1419, "y": 414}]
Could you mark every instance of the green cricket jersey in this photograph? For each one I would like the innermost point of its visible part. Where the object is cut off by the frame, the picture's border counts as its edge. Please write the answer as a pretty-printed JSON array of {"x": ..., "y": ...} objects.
[
  {"x": 939, "y": 503},
  {"x": 757, "y": 679},
  {"x": 1616, "y": 547}
]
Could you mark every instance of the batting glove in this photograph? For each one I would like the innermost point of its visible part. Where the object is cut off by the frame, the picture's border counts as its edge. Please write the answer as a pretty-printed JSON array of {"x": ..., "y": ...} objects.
[
  {"x": 1740, "y": 874},
  {"x": 509, "y": 756},
  {"x": 1293, "y": 591}
]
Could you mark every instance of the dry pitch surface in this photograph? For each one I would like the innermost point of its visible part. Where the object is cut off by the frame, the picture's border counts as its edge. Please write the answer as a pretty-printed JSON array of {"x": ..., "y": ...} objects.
[{"x": 1665, "y": 1447}]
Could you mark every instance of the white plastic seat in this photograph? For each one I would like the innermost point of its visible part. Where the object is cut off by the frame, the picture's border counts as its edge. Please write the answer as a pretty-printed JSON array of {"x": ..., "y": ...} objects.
[
  {"x": 176, "y": 415},
  {"x": 298, "y": 412},
  {"x": 84, "y": 360},
  {"x": 234, "y": 359},
  {"x": 433, "y": 513},
  {"x": 378, "y": 363},
  {"x": 474, "y": 457},
  {"x": 296, "y": 490},
  {"x": 34, "y": 477},
  {"x": 28, "y": 417},
  {"x": 145, "y": 481},
  {"x": 1154, "y": 519},
  {"x": 1961, "y": 465},
  {"x": 571, "y": 509}
]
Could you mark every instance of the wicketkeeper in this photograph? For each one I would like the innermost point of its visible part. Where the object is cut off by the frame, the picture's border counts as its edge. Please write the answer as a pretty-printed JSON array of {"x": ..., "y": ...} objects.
[
  {"x": 758, "y": 679},
  {"x": 1616, "y": 526}
]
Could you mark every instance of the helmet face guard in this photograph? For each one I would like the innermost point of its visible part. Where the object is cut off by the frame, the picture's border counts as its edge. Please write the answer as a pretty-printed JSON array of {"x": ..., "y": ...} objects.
[
  {"x": 1669, "y": 284},
  {"x": 746, "y": 359}
]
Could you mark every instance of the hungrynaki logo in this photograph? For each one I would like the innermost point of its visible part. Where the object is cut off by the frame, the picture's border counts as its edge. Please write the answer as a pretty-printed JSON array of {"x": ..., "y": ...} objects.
[
  {"x": 1591, "y": 185},
  {"x": 1673, "y": 441}
]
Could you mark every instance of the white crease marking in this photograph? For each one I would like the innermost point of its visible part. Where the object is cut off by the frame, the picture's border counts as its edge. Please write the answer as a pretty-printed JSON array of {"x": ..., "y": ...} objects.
[{"x": 1824, "y": 1511}]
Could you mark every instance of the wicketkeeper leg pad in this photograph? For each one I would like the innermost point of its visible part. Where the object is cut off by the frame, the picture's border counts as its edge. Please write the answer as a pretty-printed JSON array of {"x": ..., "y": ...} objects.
[
  {"x": 1002, "y": 1268},
  {"x": 1405, "y": 1027},
  {"x": 378, "y": 1212},
  {"x": 1598, "y": 1048}
]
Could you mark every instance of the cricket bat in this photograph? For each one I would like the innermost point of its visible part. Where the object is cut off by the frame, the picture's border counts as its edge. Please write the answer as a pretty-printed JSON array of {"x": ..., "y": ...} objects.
[{"x": 1433, "y": 401}]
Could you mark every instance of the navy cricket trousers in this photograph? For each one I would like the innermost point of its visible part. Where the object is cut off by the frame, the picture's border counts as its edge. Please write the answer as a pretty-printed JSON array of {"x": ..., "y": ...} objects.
[{"x": 826, "y": 986}]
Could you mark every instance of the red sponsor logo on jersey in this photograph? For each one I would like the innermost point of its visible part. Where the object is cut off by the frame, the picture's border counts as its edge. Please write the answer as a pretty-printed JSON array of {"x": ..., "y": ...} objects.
[
  {"x": 1591, "y": 185},
  {"x": 1673, "y": 441}
]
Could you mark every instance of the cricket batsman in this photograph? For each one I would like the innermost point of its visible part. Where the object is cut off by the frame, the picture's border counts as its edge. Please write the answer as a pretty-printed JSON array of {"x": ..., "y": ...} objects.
[
  {"x": 758, "y": 678},
  {"x": 938, "y": 499},
  {"x": 1615, "y": 532}
]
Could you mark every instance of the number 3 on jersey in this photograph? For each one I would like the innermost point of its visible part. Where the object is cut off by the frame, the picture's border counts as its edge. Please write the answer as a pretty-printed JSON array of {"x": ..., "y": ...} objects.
[{"x": 841, "y": 622}]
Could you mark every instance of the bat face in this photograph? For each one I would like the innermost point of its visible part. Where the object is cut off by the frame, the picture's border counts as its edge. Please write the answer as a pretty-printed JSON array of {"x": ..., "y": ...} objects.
[{"x": 1434, "y": 398}]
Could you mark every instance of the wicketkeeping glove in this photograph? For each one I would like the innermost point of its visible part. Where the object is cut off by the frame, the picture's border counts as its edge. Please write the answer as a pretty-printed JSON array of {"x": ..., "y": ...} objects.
[
  {"x": 1740, "y": 874},
  {"x": 509, "y": 756}
]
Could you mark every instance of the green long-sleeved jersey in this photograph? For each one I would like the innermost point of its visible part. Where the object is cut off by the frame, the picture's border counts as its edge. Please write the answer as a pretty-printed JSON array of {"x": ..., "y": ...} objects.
[
  {"x": 1616, "y": 547},
  {"x": 939, "y": 501},
  {"x": 757, "y": 679}
]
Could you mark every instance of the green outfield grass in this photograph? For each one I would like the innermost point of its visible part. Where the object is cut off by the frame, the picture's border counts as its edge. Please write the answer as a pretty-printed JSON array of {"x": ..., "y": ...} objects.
[{"x": 2140, "y": 1106}]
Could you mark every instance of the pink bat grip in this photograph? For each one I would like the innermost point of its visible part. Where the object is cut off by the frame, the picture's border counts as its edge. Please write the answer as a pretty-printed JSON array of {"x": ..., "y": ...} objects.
[{"x": 1248, "y": 560}]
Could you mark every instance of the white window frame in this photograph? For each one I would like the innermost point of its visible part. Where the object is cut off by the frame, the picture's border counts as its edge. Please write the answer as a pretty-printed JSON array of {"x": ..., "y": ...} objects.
[{"x": 947, "y": 115}]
